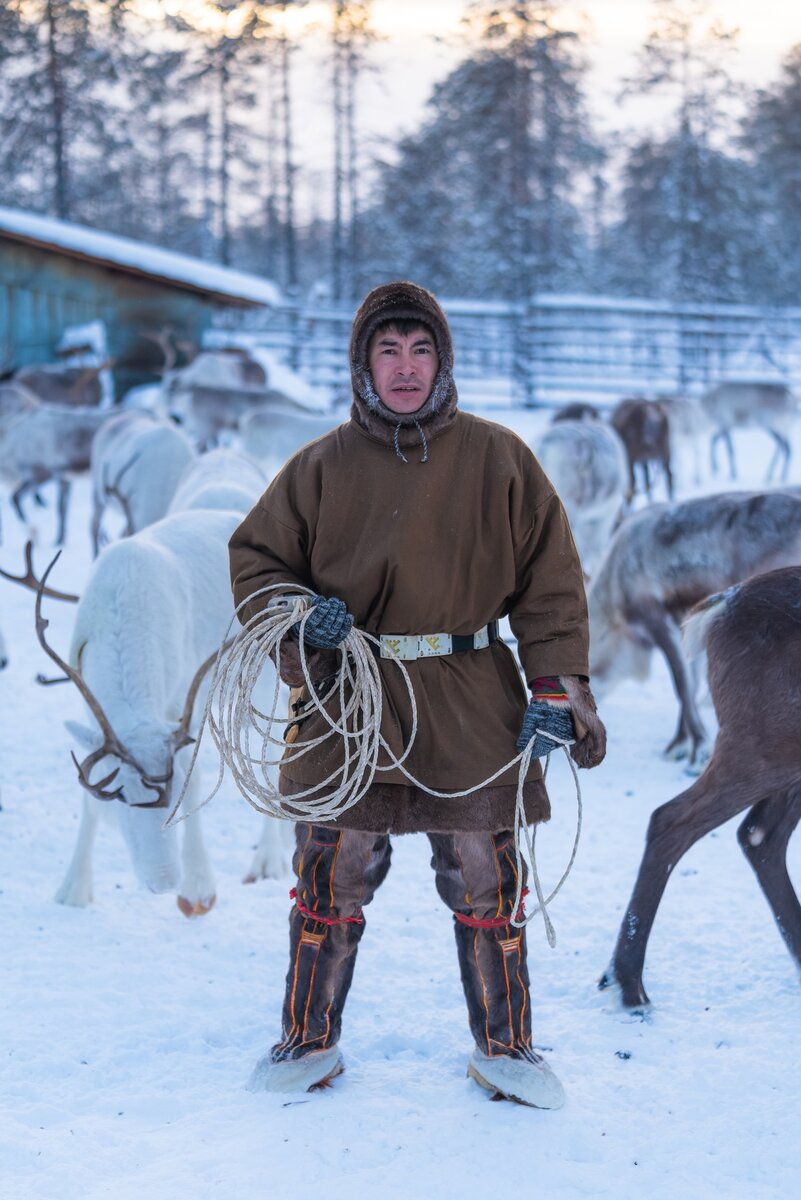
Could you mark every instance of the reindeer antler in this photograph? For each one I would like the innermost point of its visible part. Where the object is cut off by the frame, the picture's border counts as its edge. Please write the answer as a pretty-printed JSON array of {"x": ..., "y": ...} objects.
[
  {"x": 182, "y": 736},
  {"x": 113, "y": 489},
  {"x": 111, "y": 743},
  {"x": 29, "y": 579}
]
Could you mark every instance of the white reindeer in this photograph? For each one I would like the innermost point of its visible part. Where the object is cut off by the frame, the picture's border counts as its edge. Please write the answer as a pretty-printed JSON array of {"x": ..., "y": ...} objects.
[
  {"x": 272, "y": 435},
  {"x": 137, "y": 461},
  {"x": 212, "y": 393},
  {"x": 219, "y": 479},
  {"x": 586, "y": 463},
  {"x": 40, "y": 442},
  {"x": 736, "y": 404},
  {"x": 229, "y": 481},
  {"x": 154, "y": 611}
]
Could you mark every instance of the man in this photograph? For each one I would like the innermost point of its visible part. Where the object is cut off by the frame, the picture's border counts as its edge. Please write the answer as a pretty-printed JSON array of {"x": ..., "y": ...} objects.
[{"x": 424, "y": 525}]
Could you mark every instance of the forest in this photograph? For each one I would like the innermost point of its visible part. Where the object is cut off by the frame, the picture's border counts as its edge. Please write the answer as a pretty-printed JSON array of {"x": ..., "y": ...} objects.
[{"x": 137, "y": 118}]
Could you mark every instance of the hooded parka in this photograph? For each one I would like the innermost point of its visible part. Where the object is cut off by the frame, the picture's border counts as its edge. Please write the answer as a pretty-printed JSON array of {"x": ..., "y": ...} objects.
[{"x": 431, "y": 522}]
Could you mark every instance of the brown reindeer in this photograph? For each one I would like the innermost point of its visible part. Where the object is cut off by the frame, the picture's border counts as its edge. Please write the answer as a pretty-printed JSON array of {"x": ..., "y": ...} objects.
[
  {"x": 752, "y": 636},
  {"x": 642, "y": 426}
]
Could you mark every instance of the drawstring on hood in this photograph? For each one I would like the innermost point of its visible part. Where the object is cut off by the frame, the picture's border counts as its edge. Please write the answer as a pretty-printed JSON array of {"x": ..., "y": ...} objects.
[
  {"x": 423, "y": 442},
  {"x": 392, "y": 302}
]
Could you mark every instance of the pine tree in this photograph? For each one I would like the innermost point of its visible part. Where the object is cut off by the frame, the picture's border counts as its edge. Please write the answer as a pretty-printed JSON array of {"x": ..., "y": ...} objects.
[
  {"x": 222, "y": 76},
  {"x": 66, "y": 140},
  {"x": 481, "y": 200},
  {"x": 685, "y": 195},
  {"x": 772, "y": 133},
  {"x": 351, "y": 36}
]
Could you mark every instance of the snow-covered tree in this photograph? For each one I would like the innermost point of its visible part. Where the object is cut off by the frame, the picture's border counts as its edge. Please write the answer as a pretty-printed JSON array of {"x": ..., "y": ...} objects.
[
  {"x": 686, "y": 197},
  {"x": 482, "y": 200},
  {"x": 62, "y": 140},
  {"x": 772, "y": 136}
]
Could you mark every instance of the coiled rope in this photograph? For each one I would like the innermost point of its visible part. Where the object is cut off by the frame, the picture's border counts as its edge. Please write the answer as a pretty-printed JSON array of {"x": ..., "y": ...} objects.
[{"x": 233, "y": 720}]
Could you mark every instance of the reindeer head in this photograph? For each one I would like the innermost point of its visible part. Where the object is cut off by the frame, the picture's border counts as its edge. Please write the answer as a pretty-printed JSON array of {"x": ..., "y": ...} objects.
[
  {"x": 616, "y": 653},
  {"x": 143, "y": 771}
]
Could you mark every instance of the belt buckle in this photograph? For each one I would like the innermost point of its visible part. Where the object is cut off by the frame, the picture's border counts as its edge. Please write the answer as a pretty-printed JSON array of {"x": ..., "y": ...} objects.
[
  {"x": 434, "y": 644},
  {"x": 481, "y": 639},
  {"x": 403, "y": 647}
]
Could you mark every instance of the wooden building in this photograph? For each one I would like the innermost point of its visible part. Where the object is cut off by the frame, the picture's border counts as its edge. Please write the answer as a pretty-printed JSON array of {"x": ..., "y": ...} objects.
[{"x": 54, "y": 274}]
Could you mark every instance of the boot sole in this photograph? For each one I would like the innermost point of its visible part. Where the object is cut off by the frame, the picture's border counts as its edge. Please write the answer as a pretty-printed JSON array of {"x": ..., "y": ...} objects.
[{"x": 499, "y": 1094}]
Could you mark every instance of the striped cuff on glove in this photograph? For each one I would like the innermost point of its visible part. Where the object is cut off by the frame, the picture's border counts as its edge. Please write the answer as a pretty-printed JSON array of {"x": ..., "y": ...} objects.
[{"x": 549, "y": 689}]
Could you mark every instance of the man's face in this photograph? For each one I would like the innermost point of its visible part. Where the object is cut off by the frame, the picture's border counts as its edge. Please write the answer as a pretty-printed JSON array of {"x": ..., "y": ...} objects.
[{"x": 403, "y": 367}]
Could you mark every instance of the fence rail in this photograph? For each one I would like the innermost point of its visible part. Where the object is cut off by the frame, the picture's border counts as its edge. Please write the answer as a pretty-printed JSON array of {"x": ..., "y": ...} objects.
[{"x": 562, "y": 348}]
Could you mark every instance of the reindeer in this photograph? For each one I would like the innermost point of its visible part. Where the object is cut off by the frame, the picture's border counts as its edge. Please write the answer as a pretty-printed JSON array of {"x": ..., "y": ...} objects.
[
  {"x": 642, "y": 426},
  {"x": 40, "y": 442},
  {"x": 147, "y": 628},
  {"x": 586, "y": 462},
  {"x": 53, "y": 383},
  {"x": 752, "y": 637},
  {"x": 577, "y": 411},
  {"x": 688, "y": 425},
  {"x": 736, "y": 404},
  {"x": 219, "y": 479},
  {"x": 136, "y": 461},
  {"x": 213, "y": 392},
  {"x": 272, "y": 435},
  {"x": 667, "y": 558}
]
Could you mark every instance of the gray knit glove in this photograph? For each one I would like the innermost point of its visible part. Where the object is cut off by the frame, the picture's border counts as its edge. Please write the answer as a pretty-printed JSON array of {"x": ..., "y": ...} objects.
[
  {"x": 328, "y": 624},
  {"x": 540, "y": 715}
]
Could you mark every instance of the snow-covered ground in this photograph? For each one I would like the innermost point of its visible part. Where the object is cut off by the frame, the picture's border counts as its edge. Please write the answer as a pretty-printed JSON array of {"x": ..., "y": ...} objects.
[{"x": 129, "y": 1032}]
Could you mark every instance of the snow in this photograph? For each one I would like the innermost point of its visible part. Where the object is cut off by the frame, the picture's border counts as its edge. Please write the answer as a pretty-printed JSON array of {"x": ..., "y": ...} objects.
[
  {"x": 139, "y": 256},
  {"x": 129, "y": 1032}
]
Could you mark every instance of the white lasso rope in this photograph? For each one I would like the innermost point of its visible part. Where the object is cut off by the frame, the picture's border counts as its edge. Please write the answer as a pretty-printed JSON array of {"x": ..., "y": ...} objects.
[{"x": 232, "y": 718}]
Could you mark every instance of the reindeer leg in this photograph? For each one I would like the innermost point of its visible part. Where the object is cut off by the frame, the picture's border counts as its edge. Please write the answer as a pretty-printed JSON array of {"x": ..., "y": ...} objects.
[
  {"x": 16, "y": 498},
  {"x": 665, "y": 634},
  {"x": 672, "y": 830},
  {"x": 782, "y": 452},
  {"x": 64, "y": 486},
  {"x": 76, "y": 887},
  {"x": 270, "y": 860},
  {"x": 729, "y": 444},
  {"x": 763, "y": 838},
  {"x": 198, "y": 890},
  {"x": 97, "y": 516}
]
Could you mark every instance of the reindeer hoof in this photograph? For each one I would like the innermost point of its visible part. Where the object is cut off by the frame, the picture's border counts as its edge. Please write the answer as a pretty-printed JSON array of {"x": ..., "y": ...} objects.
[
  {"x": 631, "y": 993},
  {"x": 198, "y": 908}
]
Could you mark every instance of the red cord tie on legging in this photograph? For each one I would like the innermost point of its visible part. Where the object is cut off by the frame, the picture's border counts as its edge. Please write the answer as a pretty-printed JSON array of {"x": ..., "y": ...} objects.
[
  {"x": 313, "y": 916},
  {"x": 491, "y": 922}
]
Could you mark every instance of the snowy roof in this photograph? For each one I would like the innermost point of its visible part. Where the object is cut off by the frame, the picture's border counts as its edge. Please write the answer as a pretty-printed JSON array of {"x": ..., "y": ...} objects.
[{"x": 138, "y": 258}]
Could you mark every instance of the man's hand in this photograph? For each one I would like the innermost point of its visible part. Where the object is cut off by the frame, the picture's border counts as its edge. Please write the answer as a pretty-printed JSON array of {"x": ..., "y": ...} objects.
[
  {"x": 564, "y": 705},
  {"x": 320, "y": 663},
  {"x": 590, "y": 746},
  {"x": 328, "y": 623},
  {"x": 548, "y": 713}
]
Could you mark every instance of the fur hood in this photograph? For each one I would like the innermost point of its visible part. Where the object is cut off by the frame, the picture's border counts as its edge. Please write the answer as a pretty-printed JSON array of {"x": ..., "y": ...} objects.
[{"x": 393, "y": 301}]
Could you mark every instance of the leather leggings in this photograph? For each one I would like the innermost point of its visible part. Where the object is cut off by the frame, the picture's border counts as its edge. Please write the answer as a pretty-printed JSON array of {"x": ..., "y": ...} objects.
[{"x": 338, "y": 872}]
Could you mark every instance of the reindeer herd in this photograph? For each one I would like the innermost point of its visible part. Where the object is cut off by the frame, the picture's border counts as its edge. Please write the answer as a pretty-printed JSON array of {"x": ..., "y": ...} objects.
[{"x": 174, "y": 468}]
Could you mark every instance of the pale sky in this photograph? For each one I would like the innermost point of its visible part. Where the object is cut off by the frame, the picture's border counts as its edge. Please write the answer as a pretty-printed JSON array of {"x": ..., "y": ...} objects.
[{"x": 422, "y": 45}]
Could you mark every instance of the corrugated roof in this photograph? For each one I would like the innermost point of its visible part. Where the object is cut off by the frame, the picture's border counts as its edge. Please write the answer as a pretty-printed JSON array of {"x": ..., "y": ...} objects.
[{"x": 138, "y": 258}]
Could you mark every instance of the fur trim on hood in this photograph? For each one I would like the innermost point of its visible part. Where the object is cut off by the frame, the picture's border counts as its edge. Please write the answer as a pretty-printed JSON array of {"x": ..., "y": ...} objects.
[{"x": 396, "y": 301}]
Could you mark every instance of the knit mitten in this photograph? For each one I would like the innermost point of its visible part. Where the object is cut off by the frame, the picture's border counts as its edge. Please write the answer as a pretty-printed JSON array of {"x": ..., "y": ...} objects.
[
  {"x": 328, "y": 624},
  {"x": 548, "y": 712}
]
